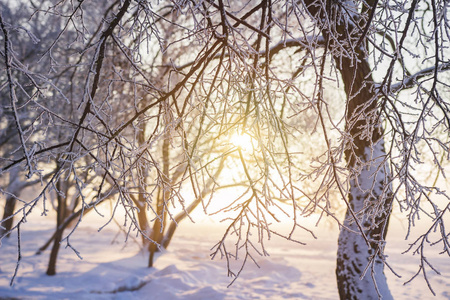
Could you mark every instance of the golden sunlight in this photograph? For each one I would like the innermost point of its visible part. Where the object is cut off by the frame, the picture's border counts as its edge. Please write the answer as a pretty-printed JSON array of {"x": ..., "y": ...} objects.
[{"x": 243, "y": 141}]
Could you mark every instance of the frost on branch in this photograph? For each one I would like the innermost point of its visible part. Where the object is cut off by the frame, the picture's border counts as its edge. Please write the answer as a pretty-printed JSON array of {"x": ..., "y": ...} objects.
[{"x": 128, "y": 109}]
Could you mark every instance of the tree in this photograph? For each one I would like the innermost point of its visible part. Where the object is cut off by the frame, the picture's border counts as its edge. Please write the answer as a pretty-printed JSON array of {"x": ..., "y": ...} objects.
[
  {"x": 269, "y": 70},
  {"x": 9, "y": 141},
  {"x": 34, "y": 118}
]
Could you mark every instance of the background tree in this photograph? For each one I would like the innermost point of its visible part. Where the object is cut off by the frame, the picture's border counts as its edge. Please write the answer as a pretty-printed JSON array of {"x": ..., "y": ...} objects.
[{"x": 364, "y": 80}]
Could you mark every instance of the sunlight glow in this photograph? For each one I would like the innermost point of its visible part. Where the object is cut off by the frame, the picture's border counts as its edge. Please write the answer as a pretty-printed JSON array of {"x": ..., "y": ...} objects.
[{"x": 243, "y": 141}]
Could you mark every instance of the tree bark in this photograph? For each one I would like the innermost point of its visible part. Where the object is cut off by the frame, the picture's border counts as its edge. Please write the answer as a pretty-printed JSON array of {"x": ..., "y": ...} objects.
[
  {"x": 7, "y": 213},
  {"x": 60, "y": 217},
  {"x": 360, "y": 267},
  {"x": 163, "y": 196},
  {"x": 14, "y": 187},
  {"x": 141, "y": 201}
]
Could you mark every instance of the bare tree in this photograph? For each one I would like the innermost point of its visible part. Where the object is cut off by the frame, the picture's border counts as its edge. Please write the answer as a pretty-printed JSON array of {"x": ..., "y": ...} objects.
[{"x": 163, "y": 88}]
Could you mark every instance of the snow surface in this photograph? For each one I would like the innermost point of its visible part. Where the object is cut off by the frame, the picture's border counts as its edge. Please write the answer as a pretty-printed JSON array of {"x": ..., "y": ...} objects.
[{"x": 111, "y": 269}]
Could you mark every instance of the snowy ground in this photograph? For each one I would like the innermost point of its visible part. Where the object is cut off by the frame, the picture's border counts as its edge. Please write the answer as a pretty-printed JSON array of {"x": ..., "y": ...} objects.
[{"x": 110, "y": 270}]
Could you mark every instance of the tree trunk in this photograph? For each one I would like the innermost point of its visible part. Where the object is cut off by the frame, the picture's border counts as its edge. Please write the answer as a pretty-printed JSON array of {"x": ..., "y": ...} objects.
[
  {"x": 14, "y": 187},
  {"x": 7, "y": 213},
  {"x": 163, "y": 196},
  {"x": 360, "y": 267},
  {"x": 60, "y": 216},
  {"x": 370, "y": 195},
  {"x": 51, "y": 270},
  {"x": 141, "y": 204},
  {"x": 141, "y": 201},
  {"x": 367, "y": 196}
]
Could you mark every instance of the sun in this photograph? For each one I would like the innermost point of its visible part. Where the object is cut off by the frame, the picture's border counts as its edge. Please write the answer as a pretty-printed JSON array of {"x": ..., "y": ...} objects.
[{"x": 243, "y": 141}]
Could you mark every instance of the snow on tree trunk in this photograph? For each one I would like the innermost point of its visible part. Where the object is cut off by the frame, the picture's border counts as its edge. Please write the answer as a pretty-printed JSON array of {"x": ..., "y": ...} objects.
[
  {"x": 360, "y": 268},
  {"x": 367, "y": 193}
]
